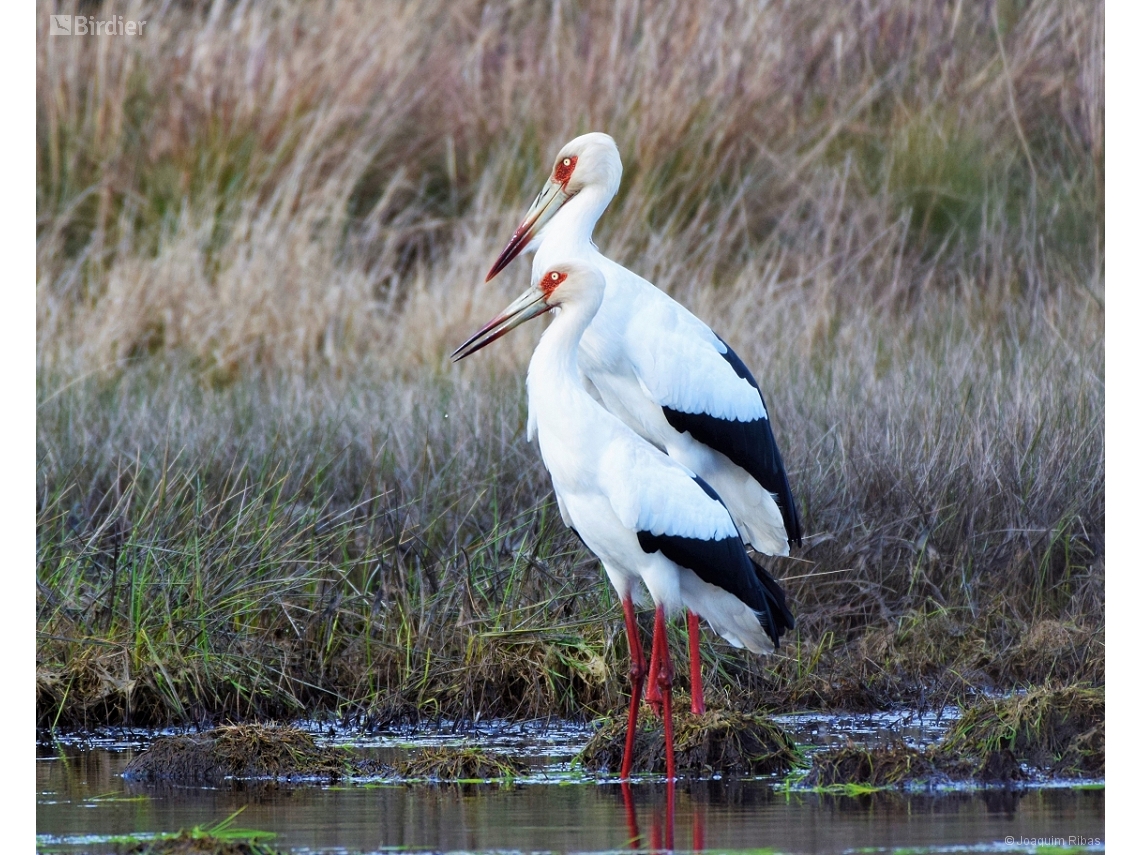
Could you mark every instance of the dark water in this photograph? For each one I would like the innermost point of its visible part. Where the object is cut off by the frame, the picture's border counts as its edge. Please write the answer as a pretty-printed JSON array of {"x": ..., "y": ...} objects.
[{"x": 83, "y": 803}]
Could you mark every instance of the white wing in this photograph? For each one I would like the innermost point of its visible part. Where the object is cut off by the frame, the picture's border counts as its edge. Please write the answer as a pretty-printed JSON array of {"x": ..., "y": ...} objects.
[
  {"x": 650, "y": 492},
  {"x": 679, "y": 361},
  {"x": 569, "y": 523}
]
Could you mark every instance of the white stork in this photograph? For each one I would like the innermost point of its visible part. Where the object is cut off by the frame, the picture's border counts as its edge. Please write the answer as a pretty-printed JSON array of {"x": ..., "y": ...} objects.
[
  {"x": 659, "y": 368},
  {"x": 645, "y": 515}
]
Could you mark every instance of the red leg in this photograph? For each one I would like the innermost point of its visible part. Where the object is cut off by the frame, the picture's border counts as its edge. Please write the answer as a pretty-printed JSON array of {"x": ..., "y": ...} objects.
[
  {"x": 670, "y": 802},
  {"x": 696, "y": 685},
  {"x": 636, "y": 678},
  {"x": 652, "y": 690},
  {"x": 664, "y": 679},
  {"x": 630, "y": 816},
  {"x": 698, "y": 824}
]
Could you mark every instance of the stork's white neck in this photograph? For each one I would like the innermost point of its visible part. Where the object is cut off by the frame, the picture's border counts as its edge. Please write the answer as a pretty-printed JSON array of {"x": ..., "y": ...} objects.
[
  {"x": 569, "y": 232},
  {"x": 557, "y": 398},
  {"x": 556, "y": 355}
]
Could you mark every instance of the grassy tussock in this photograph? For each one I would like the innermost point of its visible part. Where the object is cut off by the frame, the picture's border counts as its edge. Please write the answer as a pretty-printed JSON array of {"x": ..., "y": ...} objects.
[
  {"x": 1054, "y": 731},
  {"x": 239, "y": 752},
  {"x": 719, "y": 742},
  {"x": 198, "y": 842},
  {"x": 459, "y": 764},
  {"x": 875, "y": 768},
  {"x": 262, "y": 488},
  {"x": 1059, "y": 730}
]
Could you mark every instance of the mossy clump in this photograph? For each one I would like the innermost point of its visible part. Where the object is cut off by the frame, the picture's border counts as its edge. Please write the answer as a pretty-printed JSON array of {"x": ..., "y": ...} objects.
[
  {"x": 897, "y": 765},
  {"x": 1057, "y": 730},
  {"x": 881, "y": 766},
  {"x": 242, "y": 751},
  {"x": 719, "y": 741},
  {"x": 459, "y": 764},
  {"x": 197, "y": 843}
]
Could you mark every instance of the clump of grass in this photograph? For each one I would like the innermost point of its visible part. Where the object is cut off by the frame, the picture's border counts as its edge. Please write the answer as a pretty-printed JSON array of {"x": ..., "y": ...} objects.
[
  {"x": 855, "y": 768},
  {"x": 200, "y": 843},
  {"x": 239, "y": 752},
  {"x": 218, "y": 838},
  {"x": 459, "y": 764},
  {"x": 923, "y": 657},
  {"x": 1052, "y": 652},
  {"x": 1059, "y": 730},
  {"x": 874, "y": 768},
  {"x": 720, "y": 741}
]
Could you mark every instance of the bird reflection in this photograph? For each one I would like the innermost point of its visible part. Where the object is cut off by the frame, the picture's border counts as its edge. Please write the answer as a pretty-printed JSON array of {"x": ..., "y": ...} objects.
[{"x": 661, "y": 830}]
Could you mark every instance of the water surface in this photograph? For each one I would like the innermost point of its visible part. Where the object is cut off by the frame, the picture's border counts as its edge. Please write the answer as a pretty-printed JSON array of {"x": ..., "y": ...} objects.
[{"x": 83, "y": 803}]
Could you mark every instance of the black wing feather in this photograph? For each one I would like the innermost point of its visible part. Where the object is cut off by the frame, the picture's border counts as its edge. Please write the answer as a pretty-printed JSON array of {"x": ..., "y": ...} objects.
[
  {"x": 750, "y": 445},
  {"x": 726, "y": 564}
]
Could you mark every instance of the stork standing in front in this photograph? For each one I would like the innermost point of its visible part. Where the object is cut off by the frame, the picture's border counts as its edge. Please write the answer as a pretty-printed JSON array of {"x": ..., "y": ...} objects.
[
  {"x": 645, "y": 515},
  {"x": 659, "y": 368}
]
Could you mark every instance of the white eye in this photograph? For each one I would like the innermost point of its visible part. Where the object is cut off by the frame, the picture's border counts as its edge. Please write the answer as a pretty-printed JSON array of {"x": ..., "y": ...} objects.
[
  {"x": 554, "y": 277},
  {"x": 565, "y": 161}
]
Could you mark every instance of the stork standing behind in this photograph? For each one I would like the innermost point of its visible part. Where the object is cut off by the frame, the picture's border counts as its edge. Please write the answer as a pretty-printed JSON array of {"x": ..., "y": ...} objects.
[
  {"x": 658, "y": 367},
  {"x": 645, "y": 515}
]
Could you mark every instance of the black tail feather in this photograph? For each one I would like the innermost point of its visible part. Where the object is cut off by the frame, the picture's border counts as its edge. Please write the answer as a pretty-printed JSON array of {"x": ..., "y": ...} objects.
[
  {"x": 776, "y": 617},
  {"x": 725, "y": 563}
]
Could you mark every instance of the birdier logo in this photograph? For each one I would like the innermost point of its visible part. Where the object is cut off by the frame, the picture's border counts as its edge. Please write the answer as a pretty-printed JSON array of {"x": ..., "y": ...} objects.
[{"x": 88, "y": 25}]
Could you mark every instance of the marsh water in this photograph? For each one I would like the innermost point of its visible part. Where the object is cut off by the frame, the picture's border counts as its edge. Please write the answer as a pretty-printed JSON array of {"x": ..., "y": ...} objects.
[{"x": 85, "y": 805}]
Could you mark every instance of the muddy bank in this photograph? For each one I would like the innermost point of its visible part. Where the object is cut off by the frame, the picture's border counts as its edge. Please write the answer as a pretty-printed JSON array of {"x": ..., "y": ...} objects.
[{"x": 1046, "y": 732}]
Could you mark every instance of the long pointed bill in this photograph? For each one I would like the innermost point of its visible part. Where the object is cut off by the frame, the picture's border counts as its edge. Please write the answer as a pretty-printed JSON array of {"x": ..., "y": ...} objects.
[
  {"x": 552, "y": 197},
  {"x": 529, "y": 305}
]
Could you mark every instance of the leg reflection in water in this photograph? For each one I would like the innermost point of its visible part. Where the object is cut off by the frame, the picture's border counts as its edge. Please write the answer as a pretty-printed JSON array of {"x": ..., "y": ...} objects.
[
  {"x": 700, "y": 806},
  {"x": 630, "y": 816},
  {"x": 661, "y": 830}
]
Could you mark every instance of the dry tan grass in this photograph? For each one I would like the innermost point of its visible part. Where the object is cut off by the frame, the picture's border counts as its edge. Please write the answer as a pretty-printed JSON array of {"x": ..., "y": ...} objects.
[{"x": 282, "y": 184}]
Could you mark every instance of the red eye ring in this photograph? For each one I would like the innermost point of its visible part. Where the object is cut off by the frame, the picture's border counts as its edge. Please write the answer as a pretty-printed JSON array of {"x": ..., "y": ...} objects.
[
  {"x": 564, "y": 169},
  {"x": 551, "y": 281}
]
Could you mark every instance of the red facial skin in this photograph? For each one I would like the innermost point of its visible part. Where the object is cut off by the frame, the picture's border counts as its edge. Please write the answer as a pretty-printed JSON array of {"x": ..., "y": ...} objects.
[
  {"x": 564, "y": 169},
  {"x": 551, "y": 281},
  {"x": 522, "y": 236}
]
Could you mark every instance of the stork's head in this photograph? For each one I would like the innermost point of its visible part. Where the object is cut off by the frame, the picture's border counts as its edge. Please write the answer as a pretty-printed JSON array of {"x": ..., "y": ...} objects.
[
  {"x": 569, "y": 284},
  {"x": 590, "y": 161}
]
